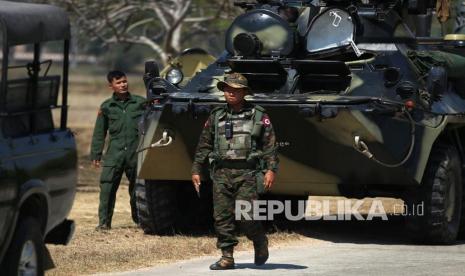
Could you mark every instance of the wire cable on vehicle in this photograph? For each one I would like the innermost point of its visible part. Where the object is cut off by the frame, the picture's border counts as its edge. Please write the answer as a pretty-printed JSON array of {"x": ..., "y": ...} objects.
[{"x": 362, "y": 147}]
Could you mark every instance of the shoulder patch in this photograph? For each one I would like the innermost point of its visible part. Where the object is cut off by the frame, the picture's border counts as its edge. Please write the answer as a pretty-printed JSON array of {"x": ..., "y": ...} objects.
[
  {"x": 100, "y": 112},
  {"x": 266, "y": 120}
]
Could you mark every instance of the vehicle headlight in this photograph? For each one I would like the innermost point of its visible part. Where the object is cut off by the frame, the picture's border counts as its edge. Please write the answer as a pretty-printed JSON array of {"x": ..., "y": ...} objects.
[{"x": 174, "y": 76}]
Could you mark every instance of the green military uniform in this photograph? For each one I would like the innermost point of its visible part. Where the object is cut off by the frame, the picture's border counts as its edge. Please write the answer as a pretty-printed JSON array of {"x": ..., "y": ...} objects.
[
  {"x": 233, "y": 170},
  {"x": 119, "y": 118}
]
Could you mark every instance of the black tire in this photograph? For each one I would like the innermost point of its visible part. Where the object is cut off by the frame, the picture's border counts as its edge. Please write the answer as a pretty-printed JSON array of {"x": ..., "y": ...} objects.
[
  {"x": 27, "y": 235},
  {"x": 169, "y": 207},
  {"x": 461, "y": 234},
  {"x": 280, "y": 221},
  {"x": 195, "y": 214},
  {"x": 441, "y": 195},
  {"x": 156, "y": 206}
]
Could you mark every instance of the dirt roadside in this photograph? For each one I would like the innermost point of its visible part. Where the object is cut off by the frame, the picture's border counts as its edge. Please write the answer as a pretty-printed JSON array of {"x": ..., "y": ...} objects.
[{"x": 126, "y": 247}]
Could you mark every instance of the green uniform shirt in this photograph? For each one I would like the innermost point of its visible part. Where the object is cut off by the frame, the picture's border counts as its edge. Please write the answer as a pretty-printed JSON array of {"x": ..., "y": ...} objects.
[{"x": 119, "y": 119}]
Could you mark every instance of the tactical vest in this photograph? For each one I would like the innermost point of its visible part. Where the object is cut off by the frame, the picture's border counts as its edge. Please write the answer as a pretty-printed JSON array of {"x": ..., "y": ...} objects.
[{"x": 247, "y": 127}]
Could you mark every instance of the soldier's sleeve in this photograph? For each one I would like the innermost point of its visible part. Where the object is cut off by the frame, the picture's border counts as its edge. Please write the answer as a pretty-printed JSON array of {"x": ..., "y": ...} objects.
[
  {"x": 204, "y": 147},
  {"x": 98, "y": 137},
  {"x": 269, "y": 146}
]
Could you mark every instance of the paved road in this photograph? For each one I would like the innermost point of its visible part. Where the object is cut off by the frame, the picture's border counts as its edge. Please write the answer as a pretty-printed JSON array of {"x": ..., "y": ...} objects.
[
  {"x": 344, "y": 248},
  {"x": 334, "y": 259}
]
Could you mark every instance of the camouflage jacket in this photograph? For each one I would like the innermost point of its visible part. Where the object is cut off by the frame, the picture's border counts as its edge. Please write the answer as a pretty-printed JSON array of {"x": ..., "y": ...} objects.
[{"x": 266, "y": 142}]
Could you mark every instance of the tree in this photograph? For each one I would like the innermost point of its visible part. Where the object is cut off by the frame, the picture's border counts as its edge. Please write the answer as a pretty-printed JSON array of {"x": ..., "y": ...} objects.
[{"x": 159, "y": 25}]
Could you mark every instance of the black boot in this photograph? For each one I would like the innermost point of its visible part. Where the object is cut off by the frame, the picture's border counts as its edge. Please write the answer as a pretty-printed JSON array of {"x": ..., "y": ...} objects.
[
  {"x": 226, "y": 261},
  {"x": 102, "y": 227},
  {"x": 261, "y": 251}
]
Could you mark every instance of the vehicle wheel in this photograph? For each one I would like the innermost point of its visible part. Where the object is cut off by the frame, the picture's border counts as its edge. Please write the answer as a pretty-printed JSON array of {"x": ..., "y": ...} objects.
[
  {"x": 156, "y": 206},
  {"x": 168, "y": 207},
  {"x": 196, "y": 214},
  {"x": 441, "y": 196},
  {"x": 25, "y": 254},
  {"x": 461, "y": 234},
  {"x": 280, "y": 221}
]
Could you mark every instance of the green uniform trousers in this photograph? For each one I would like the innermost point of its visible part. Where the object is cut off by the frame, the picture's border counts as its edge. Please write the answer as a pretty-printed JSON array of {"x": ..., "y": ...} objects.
[
  {"x": 109, "y": 183},
  {"x": 230, "y": 185}
]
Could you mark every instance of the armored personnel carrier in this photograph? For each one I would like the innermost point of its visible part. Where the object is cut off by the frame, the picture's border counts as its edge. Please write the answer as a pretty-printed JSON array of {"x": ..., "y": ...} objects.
[{"x": 363, "y": 100}]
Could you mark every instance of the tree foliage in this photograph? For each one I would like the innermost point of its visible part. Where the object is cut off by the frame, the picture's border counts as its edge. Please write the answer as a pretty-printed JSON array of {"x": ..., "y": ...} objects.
[{"x": 161, "y": 25}]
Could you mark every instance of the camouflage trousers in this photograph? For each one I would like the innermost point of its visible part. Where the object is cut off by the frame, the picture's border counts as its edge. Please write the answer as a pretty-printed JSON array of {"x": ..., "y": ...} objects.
[{"x": 230, "y": 185}]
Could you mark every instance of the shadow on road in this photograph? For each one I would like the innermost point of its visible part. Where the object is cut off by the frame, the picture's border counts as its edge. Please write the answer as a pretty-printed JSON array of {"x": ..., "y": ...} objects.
[
  {"x": 270, "y": 266},
  {"x": 377, "y": 231}
]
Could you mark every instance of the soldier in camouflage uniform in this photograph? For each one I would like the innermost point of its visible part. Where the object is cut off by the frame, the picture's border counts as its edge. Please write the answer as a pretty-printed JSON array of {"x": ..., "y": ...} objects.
[
  {"x": 117, "y": 116},
  {"x": 236, "y": 139}
]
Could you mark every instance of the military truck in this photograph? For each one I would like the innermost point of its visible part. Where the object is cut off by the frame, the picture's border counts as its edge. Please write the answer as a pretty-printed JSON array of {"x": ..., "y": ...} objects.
[
  {"x": 363, "y": 100},
  {"x": 38, "y": 157}
]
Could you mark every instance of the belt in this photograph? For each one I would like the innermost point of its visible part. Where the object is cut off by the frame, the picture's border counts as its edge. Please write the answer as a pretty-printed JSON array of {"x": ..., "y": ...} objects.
[{"x": 236, "y": 164}]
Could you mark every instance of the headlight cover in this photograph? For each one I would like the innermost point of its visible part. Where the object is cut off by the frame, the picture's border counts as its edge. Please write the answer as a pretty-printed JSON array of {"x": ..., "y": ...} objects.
[{"x": 174, "y": 76}]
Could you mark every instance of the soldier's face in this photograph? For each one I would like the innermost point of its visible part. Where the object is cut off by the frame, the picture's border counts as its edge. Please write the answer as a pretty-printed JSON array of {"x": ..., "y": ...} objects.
[
  {"x": 234, "y": 96},
  {"x": 119, "y": 85}
]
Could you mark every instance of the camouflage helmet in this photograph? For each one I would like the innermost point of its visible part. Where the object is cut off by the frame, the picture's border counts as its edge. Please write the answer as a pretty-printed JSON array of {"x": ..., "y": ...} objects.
[{"x": 234, "y": 80}]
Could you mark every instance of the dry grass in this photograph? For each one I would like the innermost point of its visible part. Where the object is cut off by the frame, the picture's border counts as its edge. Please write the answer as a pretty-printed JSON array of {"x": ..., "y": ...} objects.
[{"x": 125, "y": 246}]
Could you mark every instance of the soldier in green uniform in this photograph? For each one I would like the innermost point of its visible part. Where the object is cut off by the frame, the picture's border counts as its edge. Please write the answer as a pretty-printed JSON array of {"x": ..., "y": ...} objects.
[
  {"x": 239, "y": 141},
  {"x": 118, "y": 116}
]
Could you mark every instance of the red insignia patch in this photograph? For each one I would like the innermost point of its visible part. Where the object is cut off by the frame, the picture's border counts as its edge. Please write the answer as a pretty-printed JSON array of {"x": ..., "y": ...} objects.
[
  {"x": 99, "y": 112},
  {"x": 206, "y": 124},
  {"x": 266, "y": 121}
]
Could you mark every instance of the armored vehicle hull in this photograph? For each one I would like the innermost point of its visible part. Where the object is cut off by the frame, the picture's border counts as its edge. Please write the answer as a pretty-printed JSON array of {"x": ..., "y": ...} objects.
[
  {"x": 331, "y": 160},
  {"x": 357, "y": 120}
]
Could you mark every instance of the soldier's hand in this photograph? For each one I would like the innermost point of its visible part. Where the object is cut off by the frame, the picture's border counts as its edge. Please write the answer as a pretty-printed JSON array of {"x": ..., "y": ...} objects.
[
  {"x": 196, "y": 182},
  {"x": 268, "y": 179},
  {"x": 96, "y": 163}
]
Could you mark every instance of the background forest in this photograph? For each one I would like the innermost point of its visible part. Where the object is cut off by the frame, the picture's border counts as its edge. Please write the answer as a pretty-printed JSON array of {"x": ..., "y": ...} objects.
[{"x": 123, "y": 33}]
